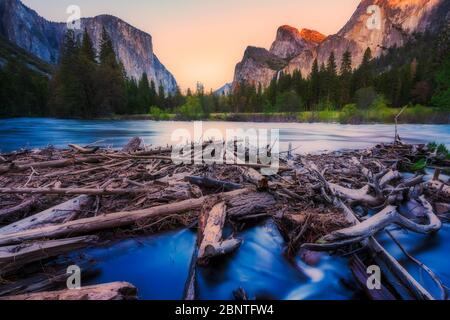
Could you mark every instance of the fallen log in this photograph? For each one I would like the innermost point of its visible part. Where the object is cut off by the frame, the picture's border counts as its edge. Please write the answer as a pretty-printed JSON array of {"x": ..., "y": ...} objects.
[
  {"x": 109, "y": 291},
  {"x": 47, "y": 164},
  {"x": 360, "y": 195},
  {"x": 383, "y": 219},
  {"x": 213, "y": 183},
  {"x": 61, "y": 213},
  {"x": 73, "y": 173},
  {"x": 261, "y": 182},
  {"x": 407, "y": 286},
  {"x": 250, "y": 204},
  {"x": 83, "y": 150},
  {"x": 74, "y": 191},
  {"x": 114, "y": 220},
  {"x": 47, "y": 280},
  {"x": 15, "y": 256},
  {"x": 221, "y": 248},
  {"x": 190, "y": 160},
  {"x": 439, "y": 188},
  {"x": 212, "y": 244},
  {"x": 21, "y": 208}
]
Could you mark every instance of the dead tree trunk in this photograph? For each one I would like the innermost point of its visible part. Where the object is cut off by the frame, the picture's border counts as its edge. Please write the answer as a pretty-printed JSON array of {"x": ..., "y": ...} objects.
[
  {"x": 15, "y": 256},
  {"x": 61, "y": 213},
  {"x": 109, "y": 291},
  {"x": 212, "y": 244},
  {"x": 113, "y": 220}
]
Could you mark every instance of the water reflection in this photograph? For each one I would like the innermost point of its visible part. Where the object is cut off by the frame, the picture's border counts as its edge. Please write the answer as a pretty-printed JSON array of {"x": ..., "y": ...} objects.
[{"x": 40, "y": 132}]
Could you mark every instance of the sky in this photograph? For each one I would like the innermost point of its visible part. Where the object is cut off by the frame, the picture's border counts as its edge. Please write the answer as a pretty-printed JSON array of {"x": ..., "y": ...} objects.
[{"x": 202, "y": 40}]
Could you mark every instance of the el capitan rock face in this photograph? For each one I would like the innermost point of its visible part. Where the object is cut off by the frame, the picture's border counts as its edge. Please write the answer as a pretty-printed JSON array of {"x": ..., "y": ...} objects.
[
  {"x": 25, "y": 28},
  {"x": 398, "y": 20}
]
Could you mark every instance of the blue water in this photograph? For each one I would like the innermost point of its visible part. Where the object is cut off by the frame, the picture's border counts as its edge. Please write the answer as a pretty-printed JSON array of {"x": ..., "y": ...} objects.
[
  {"x": 41, "y": 132},
  {"x": 158, "y": 265}
]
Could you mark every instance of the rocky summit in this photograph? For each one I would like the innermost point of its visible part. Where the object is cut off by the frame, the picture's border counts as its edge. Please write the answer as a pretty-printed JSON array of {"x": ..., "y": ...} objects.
[
  {"x": 376, "y": 24},
  {"x": 42, "y": 38}
]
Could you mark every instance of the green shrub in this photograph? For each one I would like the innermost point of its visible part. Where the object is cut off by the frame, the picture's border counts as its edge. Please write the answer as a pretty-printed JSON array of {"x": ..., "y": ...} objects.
[
  {"x": 157, "y": 114},
  {"x": 350, "y": 114},
  {"x": 191, "y": 110}
]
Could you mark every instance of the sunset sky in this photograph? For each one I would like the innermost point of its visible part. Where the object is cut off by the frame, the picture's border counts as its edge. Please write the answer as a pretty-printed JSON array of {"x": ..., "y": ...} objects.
[{"x": 202, "y": 40}]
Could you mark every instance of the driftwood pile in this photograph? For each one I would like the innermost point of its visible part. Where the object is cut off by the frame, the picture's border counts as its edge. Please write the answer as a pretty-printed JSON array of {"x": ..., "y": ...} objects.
[{"x": 56, "y": 201}]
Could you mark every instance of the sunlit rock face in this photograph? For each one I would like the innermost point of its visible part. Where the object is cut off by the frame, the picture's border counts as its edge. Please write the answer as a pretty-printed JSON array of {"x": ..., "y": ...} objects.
[
  {"x": 388, "y": 24},
  {"x": 258, "y": 66},
  {"x": 290, "y": 42},
  {"x": 43, "y": 38}
]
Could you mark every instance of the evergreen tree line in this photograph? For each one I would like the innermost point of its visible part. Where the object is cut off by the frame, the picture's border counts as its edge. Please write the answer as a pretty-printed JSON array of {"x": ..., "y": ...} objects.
[
  {"x": 88, "y": 84},
  {"x": 417, "y": 73}
]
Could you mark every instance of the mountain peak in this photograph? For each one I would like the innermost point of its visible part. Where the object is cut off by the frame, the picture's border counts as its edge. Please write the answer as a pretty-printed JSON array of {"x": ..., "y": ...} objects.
[
  {"x": 290, "y": 41},
  {"x": 312, "y": 35},
  {"x": 25, "y": 28}
]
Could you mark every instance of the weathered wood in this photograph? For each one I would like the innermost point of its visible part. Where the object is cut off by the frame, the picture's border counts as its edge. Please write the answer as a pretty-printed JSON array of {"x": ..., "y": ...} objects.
[
  {"x": 74, "y": 191},
  {"x": 57, "y": 214},
  {"x": 133, "y": 145},
  {"x": 53, "y": 280},
  {"x": 109, "y": 291},
  {"x": 47, "y": 164},
  {"x": 16, "y": 256},
  {"x": 250, "y": 204},
  {"x": 213, "y": 183},
  {"x": 212, "y": 244},
  {"x": 439, "y": 188},
  {"x": 221, "y": 248},
  {"x": 83, "y": 150},
  {"x": 361, "y": 195},
  {"x": 381, "y": 220},
  {"x": 113, "y": 220},
  {"x": 393, "y": 269},
  {"x": 253, "y": 176},
  {"x": 21, "y": 208}
]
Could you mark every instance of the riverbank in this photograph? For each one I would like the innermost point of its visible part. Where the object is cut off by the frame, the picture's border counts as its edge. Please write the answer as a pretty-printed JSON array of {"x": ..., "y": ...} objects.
[
  {"x": 316, "y": 202},
  {"x": 413, "y": 115}
]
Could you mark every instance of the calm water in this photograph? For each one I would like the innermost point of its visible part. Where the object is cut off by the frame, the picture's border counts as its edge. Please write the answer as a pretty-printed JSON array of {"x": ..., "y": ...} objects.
[
  {"x": 158, "y": 265},
  {"x": 41, "y": 132}
]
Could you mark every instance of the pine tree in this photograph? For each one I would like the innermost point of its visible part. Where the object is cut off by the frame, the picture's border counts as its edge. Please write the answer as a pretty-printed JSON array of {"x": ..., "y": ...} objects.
[
  {"x": 314, "y": 80},
  {"x": 67, "y": 89},
  {"x": 87, "y": 48},
  {"x": 345, "y": 78},
  {"x": 143, "y": 94},
  {"x": 112, "y": 95},
  {"x": 331, "y": 79},
  {"x": 365, "y": 74}
]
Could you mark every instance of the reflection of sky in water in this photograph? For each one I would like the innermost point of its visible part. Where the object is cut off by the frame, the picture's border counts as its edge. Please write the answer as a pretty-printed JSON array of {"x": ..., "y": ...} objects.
[{"x": 30, "y": 133}]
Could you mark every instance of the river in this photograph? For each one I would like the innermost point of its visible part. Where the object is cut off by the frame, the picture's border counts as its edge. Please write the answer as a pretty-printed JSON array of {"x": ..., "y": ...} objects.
[{"x": 158, "y": 265}]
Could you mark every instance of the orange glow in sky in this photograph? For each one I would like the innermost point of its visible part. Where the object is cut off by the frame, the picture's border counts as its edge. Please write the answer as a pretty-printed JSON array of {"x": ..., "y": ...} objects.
[{"x": 202, "y": 40}]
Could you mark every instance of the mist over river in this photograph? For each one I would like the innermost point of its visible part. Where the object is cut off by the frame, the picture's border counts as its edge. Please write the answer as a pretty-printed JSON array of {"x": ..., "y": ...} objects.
[{"x": 40, "y": 132}]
